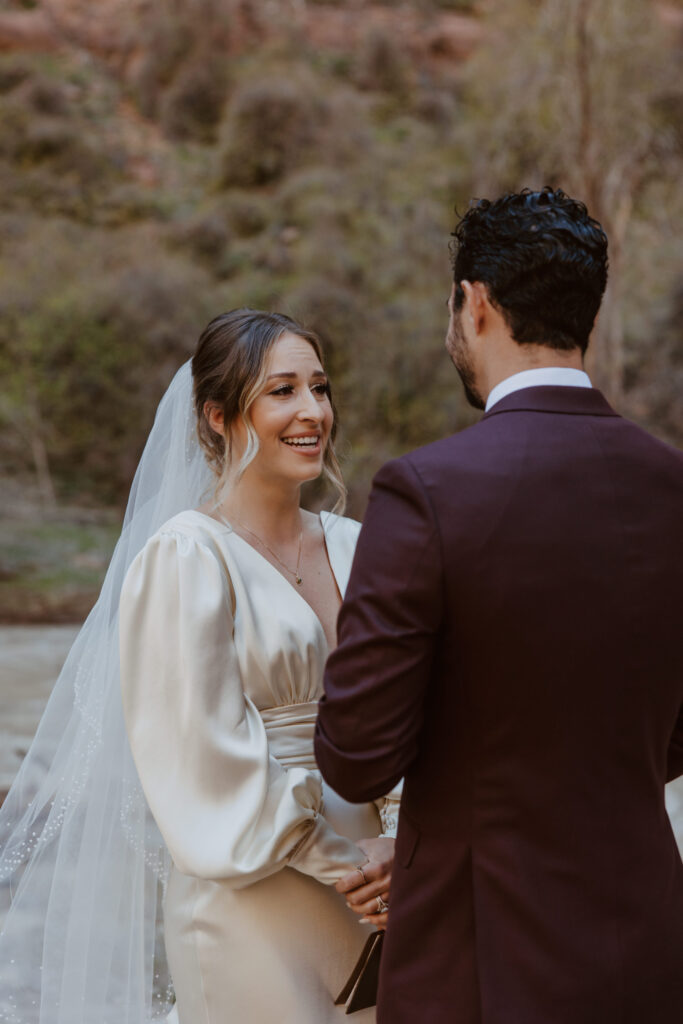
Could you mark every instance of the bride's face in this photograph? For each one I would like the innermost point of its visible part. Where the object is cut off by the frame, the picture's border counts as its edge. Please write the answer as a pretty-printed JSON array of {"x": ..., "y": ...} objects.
[{"x": 292, "y": 416}]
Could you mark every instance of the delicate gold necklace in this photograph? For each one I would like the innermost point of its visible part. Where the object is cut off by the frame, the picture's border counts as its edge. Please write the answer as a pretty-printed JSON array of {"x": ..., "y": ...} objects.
[{"x": 294, "y": 572}]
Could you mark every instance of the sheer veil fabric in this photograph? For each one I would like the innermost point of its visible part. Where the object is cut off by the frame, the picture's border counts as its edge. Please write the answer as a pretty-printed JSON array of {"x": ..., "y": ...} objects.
[{"x": 82, "y": 864}]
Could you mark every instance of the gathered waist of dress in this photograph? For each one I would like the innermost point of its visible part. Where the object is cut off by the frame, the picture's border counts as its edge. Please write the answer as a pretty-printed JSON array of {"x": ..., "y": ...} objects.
[{"x": 290, "y": 729}]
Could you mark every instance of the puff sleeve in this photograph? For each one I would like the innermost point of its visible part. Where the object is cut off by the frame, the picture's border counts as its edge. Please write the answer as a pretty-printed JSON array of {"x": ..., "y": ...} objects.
[{"x": 225, "y": 807}]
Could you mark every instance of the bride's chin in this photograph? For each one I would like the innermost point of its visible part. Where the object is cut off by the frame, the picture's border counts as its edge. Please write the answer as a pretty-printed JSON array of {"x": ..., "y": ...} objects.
[
  {"x": 308, "y": 469},
  {"x": 289, "y": 476}
]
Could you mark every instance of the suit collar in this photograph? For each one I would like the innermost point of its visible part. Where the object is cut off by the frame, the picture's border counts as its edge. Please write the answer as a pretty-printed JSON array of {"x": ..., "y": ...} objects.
[{"x": 570, "y": 400}]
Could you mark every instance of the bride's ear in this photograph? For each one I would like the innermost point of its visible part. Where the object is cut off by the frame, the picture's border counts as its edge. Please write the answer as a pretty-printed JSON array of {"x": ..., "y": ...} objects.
[{"x": 214, "y": 417}]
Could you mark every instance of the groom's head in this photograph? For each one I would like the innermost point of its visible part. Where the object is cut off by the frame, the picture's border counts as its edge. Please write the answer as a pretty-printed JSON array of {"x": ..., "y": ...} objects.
[{"x": 529, "y": 272}]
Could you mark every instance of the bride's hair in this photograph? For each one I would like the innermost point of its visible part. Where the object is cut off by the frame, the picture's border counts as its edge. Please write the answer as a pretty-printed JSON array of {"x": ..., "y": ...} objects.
[{"x": 229, "y": 370}]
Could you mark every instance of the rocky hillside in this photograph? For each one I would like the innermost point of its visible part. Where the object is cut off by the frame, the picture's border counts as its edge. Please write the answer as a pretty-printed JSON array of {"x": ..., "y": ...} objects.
[
  {"x": 429, "y": 33},
  {"x": 160, "y": 162}
]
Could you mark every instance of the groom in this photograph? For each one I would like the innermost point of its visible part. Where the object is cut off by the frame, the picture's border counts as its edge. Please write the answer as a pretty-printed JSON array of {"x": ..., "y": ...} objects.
[{"x": 511, "y": 642}]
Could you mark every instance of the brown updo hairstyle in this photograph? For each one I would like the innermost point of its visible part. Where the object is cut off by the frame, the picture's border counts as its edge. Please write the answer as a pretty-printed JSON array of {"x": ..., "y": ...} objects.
[{"x": 229, "y": 369}]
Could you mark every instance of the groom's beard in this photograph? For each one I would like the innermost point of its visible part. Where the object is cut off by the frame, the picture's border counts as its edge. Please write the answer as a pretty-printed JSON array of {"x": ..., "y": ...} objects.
[{"x": 462, "y": 361}]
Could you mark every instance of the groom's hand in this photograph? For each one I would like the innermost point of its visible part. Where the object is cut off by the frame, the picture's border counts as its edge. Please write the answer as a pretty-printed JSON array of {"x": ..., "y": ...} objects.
[{"x": 363, "y": 889}]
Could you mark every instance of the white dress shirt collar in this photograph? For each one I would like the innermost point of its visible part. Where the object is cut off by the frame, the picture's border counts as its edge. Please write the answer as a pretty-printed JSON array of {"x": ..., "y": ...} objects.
[{"x": 562, "y": 376}]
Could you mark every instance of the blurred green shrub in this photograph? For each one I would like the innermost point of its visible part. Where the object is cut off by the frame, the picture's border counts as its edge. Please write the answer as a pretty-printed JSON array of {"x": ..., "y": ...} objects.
[
  {"x": 271, "y": 125},
  {"x": 436, "y": 106},
  {"x": 12, "y": 74},
  {"x": 192, "y": 107},
  {"x": 246, "y": 214},
  {"x": 338, "y": 317},
  {"x": 87, "y": 345},
  {"x": 178, "y": 75},
  {"x": 461, "y": 6},
  {"x": 205, "y": 236},
  {"x": 47, "y": 96},
  {"x": 382, "y": 66}
]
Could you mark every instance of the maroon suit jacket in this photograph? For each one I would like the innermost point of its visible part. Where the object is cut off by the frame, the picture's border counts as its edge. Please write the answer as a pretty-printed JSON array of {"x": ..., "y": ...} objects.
[{"x": 511, "y": 642}]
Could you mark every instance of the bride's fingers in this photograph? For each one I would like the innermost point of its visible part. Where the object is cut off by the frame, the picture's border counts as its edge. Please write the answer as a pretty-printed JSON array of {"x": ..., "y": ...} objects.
[
  {"x": 371, "y": 871},
  {"x": 372, "y": 907},
  {"x": 379, "y": 920},
  {"x": 365, "y": 893}
]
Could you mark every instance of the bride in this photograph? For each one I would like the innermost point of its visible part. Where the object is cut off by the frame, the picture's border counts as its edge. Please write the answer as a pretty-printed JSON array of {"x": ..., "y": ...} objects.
[{"x": 219, "y": 818}]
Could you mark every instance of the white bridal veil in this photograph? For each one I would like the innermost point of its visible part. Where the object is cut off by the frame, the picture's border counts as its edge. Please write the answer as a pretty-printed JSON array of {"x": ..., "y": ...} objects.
[{"x": 82, "y": 864}]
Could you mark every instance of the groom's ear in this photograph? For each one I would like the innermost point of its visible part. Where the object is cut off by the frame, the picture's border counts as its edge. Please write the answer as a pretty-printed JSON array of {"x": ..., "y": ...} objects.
[{"x": 476, "y": 305}]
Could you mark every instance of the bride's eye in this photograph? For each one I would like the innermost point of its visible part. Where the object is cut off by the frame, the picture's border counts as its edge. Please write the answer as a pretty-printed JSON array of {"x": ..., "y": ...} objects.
[
  {"x": 283, "y": 389},
  {"x": 321, "y": 389}
]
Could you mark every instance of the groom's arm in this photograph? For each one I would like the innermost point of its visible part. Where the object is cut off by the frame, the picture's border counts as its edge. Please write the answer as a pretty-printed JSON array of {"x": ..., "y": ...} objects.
[
  {"x": 675, "y": 759},
  {"x": 371, "y": 714}
]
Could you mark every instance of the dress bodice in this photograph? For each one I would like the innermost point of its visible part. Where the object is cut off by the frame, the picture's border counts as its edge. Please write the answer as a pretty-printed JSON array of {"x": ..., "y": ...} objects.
[
  {"x": 279, "y": 640},
  {"x": 221, "y": 668}
]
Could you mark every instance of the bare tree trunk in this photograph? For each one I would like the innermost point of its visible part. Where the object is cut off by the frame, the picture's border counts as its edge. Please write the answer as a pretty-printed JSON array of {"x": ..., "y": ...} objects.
[
  {"x": 42, "y": 468},
  {"x": 586, "y": 134},
  {"x": 36, "y": 431},
  {"x": 606, "y": 353}
]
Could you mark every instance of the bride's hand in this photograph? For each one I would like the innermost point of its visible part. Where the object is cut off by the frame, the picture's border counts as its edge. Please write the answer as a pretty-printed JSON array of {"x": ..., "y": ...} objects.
[{"x": 364, "y": 888}]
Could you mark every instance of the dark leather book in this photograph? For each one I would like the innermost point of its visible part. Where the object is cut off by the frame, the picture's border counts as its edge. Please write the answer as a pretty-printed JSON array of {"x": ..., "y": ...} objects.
[{"x": 360, "y": 991}]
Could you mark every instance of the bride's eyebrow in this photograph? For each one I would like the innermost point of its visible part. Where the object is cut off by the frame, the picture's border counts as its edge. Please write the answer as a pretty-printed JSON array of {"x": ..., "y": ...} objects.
[{"x": 291, "y": 375}]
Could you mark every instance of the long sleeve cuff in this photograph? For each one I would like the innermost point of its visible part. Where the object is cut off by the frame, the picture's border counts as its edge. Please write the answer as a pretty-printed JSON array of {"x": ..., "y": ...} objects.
[
  {"x": 389, "y": 807},
  {"x": 324, "y": 854}
]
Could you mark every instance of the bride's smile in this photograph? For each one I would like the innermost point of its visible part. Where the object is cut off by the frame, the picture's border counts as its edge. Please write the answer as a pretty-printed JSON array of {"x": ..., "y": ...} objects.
[{"x": 292, "y": 415}]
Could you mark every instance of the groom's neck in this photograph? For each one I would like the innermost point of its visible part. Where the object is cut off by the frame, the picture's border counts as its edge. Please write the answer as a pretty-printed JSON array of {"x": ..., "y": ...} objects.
[{"x": 507, "y": 357}]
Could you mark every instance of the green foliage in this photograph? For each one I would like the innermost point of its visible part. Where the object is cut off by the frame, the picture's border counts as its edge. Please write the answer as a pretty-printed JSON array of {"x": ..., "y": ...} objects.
[
  {"x": 180, "y": 44},
  {"x": 271, "y": 125},
  {"x": 192, "y": 107},
  {"x": 382, "y": 66},
  {"x": 53, "y": 570},
  {"x": 461, "y": 6},
  {"x": 12, "y": 74},
  {"x": 318, "y": 183},
  {"x": 80, "y": 367},
  {"x": 247, "y": 215},
  {"x": 551, "y": 100}
]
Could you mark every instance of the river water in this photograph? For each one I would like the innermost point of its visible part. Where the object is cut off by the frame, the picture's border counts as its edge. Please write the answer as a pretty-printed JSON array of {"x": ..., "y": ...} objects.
[{"x": 30, "y": 660}]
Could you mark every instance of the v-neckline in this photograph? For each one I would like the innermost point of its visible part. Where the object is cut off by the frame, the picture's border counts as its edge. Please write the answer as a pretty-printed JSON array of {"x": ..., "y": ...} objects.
[{"x": 233, "y": 532}]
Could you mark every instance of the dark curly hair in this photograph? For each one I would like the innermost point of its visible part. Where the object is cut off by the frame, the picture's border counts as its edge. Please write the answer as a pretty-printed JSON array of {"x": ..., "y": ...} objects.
[{"x": 543, "y": 260}]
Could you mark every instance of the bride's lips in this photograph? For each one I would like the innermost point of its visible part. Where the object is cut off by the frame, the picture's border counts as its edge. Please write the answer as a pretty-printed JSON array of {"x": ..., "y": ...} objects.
[{"x": 303, "y": 444}]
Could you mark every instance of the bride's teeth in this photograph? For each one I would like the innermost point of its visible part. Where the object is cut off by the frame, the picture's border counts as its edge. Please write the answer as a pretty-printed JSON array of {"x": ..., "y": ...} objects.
[{"x": 301, "y": 442}]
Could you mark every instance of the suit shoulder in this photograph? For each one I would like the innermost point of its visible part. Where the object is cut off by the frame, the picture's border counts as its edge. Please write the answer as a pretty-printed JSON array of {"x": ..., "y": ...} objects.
[{"x": 446, "y": 449}]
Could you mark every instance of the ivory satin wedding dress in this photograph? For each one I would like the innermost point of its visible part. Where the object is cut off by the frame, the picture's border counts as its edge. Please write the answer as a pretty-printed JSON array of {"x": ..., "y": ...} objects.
[{"x": 222, "y": 666}]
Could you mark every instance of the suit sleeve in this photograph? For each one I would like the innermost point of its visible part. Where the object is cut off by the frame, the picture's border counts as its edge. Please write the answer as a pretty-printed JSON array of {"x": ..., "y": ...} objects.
[
  {"x": 375, "y": 683},
  {"x": 675, "y": 758}
]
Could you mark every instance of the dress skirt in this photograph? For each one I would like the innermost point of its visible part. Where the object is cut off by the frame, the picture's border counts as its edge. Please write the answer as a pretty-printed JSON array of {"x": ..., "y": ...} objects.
[{"x": 275, "y": 952}]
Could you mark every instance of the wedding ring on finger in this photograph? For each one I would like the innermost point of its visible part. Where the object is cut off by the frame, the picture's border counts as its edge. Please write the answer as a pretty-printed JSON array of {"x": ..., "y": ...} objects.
[
  {"x": 382, "y": 907},
  {"x": 362, "y": 874}
]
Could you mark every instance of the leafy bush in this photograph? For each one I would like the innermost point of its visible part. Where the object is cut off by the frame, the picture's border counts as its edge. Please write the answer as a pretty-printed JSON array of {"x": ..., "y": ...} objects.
[
  {"x": 271, "y": 124},
  {"x": 46, "y": 96},
  {"x": 462, "y": 6},
  {"x": 381, "y": 65},
  {"x": 11, "y": 75},
  {"x": 192, "y": 108},
  {"x": 246, "y": 215},
  {"x": 87, "y": 345},
  {"x": 171, "y": 40},
  {"x": 205, "y": 236}
]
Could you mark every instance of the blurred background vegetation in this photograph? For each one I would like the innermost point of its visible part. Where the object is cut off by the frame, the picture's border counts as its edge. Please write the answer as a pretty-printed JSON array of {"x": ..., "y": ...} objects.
[{"x": 162, "y": 162}]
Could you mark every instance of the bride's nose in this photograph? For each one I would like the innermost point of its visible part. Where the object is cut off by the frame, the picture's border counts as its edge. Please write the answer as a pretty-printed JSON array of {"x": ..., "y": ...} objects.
[{"x": 310, "y": 408}]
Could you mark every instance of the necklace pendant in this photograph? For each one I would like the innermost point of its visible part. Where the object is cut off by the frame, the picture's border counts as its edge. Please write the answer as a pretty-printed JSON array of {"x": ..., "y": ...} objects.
[{"x": 299, "y": 581}]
